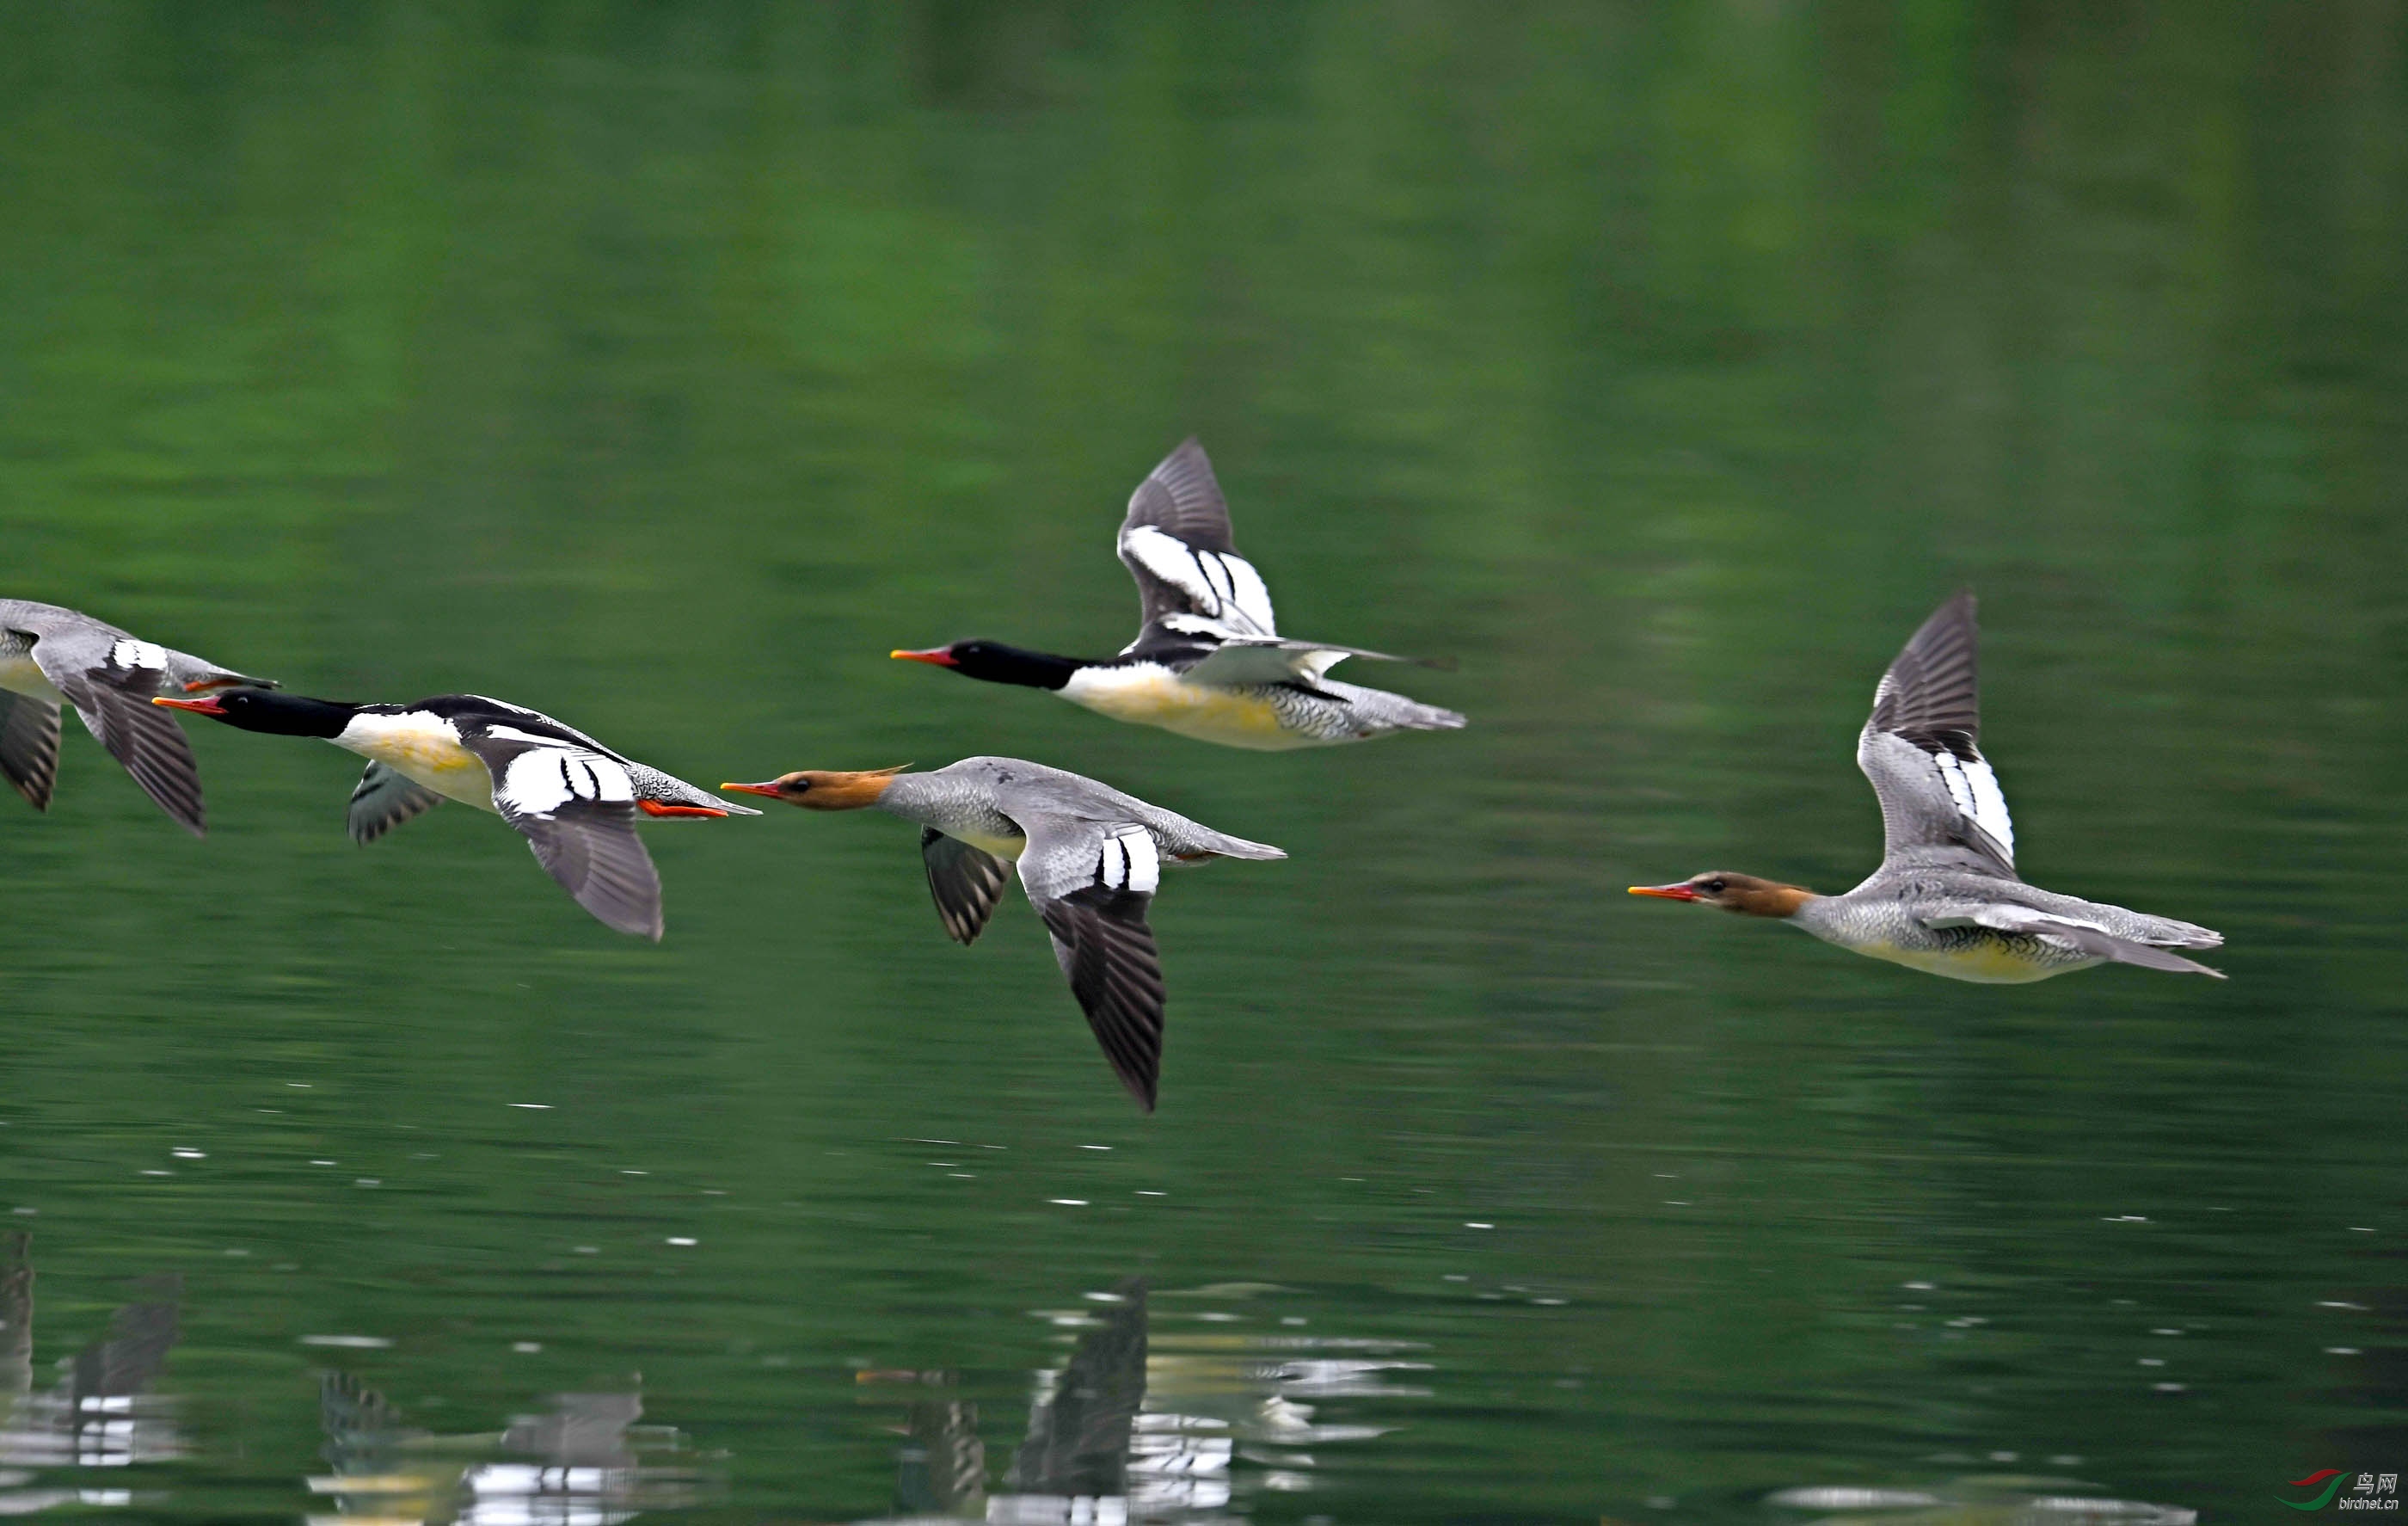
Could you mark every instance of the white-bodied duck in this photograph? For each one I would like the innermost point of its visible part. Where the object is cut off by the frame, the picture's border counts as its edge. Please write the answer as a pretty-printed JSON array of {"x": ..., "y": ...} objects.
[
  {"x": 1208, "y": 661},
  {"x": 50, "y": 655},
  {"x": 1946, "y": 898},
  {"x": 575, "y": 800},
  {"x": 1089, "y": 857}
]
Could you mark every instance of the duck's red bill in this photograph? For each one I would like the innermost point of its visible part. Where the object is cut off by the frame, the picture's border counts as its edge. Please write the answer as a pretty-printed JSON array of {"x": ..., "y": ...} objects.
[
  {"x": 939, "y": 655},
  {"x": 770, "y": 789},
  {"x": 1665, "y": 892},
  {"x": 198, "y": 707}
]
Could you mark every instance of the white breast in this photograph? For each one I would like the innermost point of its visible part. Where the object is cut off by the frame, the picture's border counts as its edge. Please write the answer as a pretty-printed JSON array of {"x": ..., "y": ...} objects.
[{"x": 425, "y": 748}]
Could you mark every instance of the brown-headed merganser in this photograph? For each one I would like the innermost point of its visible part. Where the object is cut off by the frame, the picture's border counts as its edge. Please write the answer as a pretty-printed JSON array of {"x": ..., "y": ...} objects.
[
  {"x": 575, "y": 800},
  {"x": 1208, "y": 661},
  {"x": 48, "y": 654},
  {"x": 1946, "y": 898},
  {"x": 1089, "y": 858}
]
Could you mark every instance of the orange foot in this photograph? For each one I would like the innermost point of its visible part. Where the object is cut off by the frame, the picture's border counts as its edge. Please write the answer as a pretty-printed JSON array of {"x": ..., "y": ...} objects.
[{"x": 655, "y": 808}]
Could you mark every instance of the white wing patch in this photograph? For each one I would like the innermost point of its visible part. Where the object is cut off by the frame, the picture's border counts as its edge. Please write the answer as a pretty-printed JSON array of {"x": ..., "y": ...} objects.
[
  {"x": 131, "y": 653},
  {"x": 1224, "y": 587},
  {"x": 1129, "y": 861},
  {"x": 541, "y": 780},
  {"x": 1974, "y": 787}
]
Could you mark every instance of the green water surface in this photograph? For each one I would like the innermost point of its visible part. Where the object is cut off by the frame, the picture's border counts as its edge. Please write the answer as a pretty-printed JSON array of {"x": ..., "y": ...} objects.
[{"x": 661, "y": 366}]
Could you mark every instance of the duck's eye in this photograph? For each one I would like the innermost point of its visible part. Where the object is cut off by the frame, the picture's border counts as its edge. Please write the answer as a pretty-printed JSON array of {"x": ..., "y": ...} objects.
[{"x": 1715, "y": 887}]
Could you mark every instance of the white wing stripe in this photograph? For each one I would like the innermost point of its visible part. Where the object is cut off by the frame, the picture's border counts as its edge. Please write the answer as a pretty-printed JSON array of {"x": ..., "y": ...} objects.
[
  {"x": 541, "y": 780},
  {"x": 130, "y": 652},
  {"x": 1974, "y": 787},
  {"x": 1248, "y": 595},
  {"x": 1129, "y": 862}
]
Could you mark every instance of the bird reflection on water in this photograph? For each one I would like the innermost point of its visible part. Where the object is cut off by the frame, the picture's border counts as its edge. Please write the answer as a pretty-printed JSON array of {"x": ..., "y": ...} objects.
[
  {"x": 1142, "y": 1425},
  {"x": 98, "y": 1413},
  {"x": 585, "y": 1462}
]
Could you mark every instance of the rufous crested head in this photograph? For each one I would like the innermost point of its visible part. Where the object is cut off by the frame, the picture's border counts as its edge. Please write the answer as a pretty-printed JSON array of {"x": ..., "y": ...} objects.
[
  {"x": 1742, "y": 893},
  {"x": 826, "y": 789}
]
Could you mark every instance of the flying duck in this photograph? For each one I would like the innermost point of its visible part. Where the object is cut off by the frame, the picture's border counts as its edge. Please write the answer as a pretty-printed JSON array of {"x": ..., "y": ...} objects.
[
  {"x": 48, "y": 654},
  {"x": 1089, "y": 857},
  {"x": 574, "y": 800},
  {"x": 1946, "y": 898},
  {"x": 1208, "y": 661}
]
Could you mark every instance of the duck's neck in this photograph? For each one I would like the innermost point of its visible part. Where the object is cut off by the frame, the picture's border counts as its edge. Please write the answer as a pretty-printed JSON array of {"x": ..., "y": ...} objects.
[
  {"x": 1776, "y": 900},
  {"x": 999, "y": 663}
]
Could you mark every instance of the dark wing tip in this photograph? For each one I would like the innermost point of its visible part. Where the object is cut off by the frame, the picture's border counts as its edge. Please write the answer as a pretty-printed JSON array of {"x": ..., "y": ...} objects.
[
  {"x": 29, "y": 746},
  {"x": 1960, "y": 609},
  {"x": 1115, "y": 971},
  {"x": 1182, "y": 498},
  {"x": 158, "y": 757},
  {"x": 1930, "y": 694}
]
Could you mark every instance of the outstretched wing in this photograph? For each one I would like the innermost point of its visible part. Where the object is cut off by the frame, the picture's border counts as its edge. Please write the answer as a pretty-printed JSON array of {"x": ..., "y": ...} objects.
[
  {"x": 1940, "y": 800},
  {"x": 1092, "y": 883},
  {"x": 576, "y": 810},
  {"x": 967, "y": 882},
  {"x": 29, "y": 745},
  {"x": 384, "y": 799},
  {"x": 111, "y": 679},
  {"x": 2004, "y": 917},
  {"x": 1175, "y": 543}
]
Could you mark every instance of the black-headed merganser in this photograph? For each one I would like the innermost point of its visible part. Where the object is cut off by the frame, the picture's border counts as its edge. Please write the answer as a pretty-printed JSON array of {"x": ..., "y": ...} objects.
[
  {"x": 1089, "y": 857},
  {"x": 1208, "y": 661},
  {"x": 49, "y": 655},
  {"x": 575, "y": 800},
  {"x": 1946, "y": 898}
]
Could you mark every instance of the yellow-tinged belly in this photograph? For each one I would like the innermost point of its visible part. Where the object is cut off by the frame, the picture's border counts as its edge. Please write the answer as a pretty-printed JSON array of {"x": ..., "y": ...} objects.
[
  {"x": 1006, "y": 848},
  {"x": 1990, "y": 962},
  {"x": 20, "y": 674},
  {"x": 424, "y": 749},
  {"x": 1150, "y": 695}
]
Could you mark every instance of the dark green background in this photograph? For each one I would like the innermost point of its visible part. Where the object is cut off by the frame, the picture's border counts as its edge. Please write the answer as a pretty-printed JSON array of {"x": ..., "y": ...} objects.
[{"x": 661, "y": 365}]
